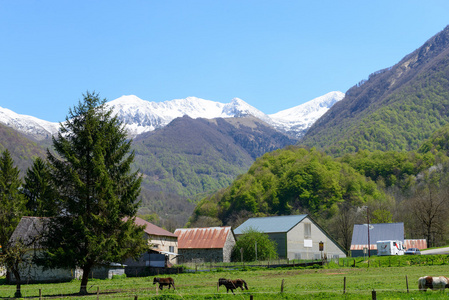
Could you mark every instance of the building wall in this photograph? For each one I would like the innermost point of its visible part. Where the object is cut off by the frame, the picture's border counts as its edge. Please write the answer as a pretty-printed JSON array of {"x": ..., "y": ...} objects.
[
  {"x": 30, "y": 273},
  {"x": 302, "y": 246},
  {"x": 281, "y": 243},
  {"x": 229, "y": 245},
  {"x": 201, "y": 255},
  {"x": 164, "y": 243}
]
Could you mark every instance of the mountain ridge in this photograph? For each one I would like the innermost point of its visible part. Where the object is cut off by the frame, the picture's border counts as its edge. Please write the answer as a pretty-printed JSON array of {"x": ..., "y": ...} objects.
[
  {"x": 141, "y": 116},
  {"x": 396, "y": 108}
]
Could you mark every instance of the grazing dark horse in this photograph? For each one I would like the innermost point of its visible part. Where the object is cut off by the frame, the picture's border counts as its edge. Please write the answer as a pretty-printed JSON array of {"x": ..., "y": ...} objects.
[
  {"x": 164, "y": 281},
  {"x": 433, "y": 283},
  {"x": 232, "y": 284}
]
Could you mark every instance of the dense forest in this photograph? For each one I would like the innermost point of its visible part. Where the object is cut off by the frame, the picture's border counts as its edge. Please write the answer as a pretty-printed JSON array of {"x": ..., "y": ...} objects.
[{"x": 395, "y": 186}]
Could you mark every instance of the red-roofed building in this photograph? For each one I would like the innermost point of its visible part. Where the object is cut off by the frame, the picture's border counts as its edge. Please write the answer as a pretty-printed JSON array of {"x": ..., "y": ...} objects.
[
  {"x": 164, "y": 246},
  {"x": 210, "y": 244}
]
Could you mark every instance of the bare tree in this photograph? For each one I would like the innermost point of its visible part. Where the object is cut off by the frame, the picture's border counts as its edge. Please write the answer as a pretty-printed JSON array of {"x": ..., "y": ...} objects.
[
  {"x": 429, "y": 208},
  {"x": 342, "y": 225}
]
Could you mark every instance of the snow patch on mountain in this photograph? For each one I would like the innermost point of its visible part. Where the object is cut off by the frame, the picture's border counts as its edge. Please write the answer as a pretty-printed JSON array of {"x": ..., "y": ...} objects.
[
  {"x": 31, "y": 126},
  {"x": 298, "y": 119}
]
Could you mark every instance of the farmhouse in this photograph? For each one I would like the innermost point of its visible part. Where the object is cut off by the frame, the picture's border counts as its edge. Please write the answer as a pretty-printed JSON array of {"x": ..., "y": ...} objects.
[
  {"x": 296, "y": 236},
  {"x": 210, "y": 244},
  {"x": 377, "y": 232},
  {"x": 163, "y": 244}
]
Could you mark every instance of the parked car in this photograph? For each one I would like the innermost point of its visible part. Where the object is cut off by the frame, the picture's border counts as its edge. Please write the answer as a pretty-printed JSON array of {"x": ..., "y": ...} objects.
[{"x": 412, "y": 251}]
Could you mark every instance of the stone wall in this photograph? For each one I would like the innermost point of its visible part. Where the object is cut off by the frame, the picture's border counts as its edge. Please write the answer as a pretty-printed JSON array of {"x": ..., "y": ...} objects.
[
  {"x": 227, "y": 249},
  {"x": 200, "y": 255},
  {"x": 149, "y": 271}
]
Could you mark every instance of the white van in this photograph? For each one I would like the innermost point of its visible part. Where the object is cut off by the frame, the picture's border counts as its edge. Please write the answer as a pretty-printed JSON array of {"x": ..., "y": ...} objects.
[{"x": 391, "y": 247}]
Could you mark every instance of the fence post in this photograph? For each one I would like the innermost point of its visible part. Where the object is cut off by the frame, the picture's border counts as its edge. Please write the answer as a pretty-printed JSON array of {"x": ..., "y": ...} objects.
[
  {"x": 250, "y": 297},
  {"x": 98, "y": 293},
  {"x": 373, "y": 294},
  {"x": 406, "y": 281},
  {"x": 135, "y": 297},
  {"x": 344, "y": 285},
  {"x": 282, "y": 286},
  {"x": 40, "y": 294}
]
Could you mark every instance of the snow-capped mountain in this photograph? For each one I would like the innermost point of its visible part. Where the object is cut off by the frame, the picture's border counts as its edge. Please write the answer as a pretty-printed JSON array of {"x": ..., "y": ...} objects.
[
  {"x": 28, "y": 125},
  {"x": 298, "y": 119},
  {"x": 141, "y": 116}
]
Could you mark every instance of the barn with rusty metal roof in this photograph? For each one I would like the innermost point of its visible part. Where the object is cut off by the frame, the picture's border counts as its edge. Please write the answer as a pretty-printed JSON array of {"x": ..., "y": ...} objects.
[{"x": 208, "y": 244}]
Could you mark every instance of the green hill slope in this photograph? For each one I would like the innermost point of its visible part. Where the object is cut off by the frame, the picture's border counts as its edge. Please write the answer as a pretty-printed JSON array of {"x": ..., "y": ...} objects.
[
  {"x": 22, "y": 148},
  {"x": 289, "y": 181},
  {"x": 395, "y": 109}
]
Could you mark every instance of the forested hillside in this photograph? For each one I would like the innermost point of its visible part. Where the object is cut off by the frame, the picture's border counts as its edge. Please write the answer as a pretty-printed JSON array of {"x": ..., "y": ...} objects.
[
  {"x": 395, "y": 109},
  {"x": 22, "y": 148},
  {"x": 290, "y": 181},
  {"x": 197, "y": 156}
]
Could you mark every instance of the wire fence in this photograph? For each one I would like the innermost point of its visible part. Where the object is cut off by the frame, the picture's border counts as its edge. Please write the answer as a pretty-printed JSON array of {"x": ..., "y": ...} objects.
[
  {"x": 128, "y": 290},
  {"x": 201, "y": 266},
  {"x": 143, "y": 288}
]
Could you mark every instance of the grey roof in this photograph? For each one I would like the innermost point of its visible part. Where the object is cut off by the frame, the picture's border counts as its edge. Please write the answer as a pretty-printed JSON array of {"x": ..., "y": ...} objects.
[
  {"x": 29, "y": 230},
  {"x": 271, "y": 224},
  {"x": 377, "y": 232}
]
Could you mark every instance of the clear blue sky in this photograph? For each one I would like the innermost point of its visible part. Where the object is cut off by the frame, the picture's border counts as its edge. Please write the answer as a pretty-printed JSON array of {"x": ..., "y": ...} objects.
[{"x": 272, "y": 54}]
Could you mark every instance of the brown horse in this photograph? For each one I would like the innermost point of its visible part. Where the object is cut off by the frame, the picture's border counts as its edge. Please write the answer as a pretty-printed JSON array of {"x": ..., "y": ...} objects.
[
  {"x": 232, "y": 284},
  {"x": 164, "y": 281}
]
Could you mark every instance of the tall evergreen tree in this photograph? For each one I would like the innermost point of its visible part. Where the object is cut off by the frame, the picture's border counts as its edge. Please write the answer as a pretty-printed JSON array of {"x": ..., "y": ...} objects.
[
  {"x": 39, "y": 191},
  {"x": 12, "y": 202},
  {"x": 12, "y": 208},
  {"x": 96, "y": 189}
]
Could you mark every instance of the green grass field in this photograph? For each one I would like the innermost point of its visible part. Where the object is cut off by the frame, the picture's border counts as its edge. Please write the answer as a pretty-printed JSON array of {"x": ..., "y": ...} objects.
[{"x": 386, "y": 275}]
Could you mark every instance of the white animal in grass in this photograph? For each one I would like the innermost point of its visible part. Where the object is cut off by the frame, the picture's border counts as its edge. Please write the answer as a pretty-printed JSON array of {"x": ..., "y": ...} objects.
[{"x": 433, "y": 283}]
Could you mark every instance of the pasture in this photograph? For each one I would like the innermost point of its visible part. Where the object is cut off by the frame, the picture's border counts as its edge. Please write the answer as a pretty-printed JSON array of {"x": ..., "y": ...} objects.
[{"x": 387, "y": 278}]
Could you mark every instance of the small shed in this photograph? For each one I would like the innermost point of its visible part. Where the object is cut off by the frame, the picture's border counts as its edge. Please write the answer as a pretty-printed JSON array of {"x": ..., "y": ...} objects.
[
  {"x": 377, "y": 232},
  {"x": 296, "y": 236},
  {"x": 209, "y": 244}
]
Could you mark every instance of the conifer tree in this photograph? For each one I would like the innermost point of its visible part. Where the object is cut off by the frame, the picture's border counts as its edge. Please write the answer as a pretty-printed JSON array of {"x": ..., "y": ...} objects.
[
  {"x": 12, "y": 208},
  {"x": 39, "y": 191},
  {"x": 12, "y": 202},
  {"x": 96, "y": 189}
]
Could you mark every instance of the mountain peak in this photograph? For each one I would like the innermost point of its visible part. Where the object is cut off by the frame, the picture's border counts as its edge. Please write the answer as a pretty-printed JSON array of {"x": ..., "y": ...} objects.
[{"x": 299, "y": 118}]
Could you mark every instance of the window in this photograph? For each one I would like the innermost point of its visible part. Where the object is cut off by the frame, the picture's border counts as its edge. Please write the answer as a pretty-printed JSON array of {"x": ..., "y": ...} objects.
[
  {"x": 307, "y": 230},
  {"x": 171, "y": 248}
]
